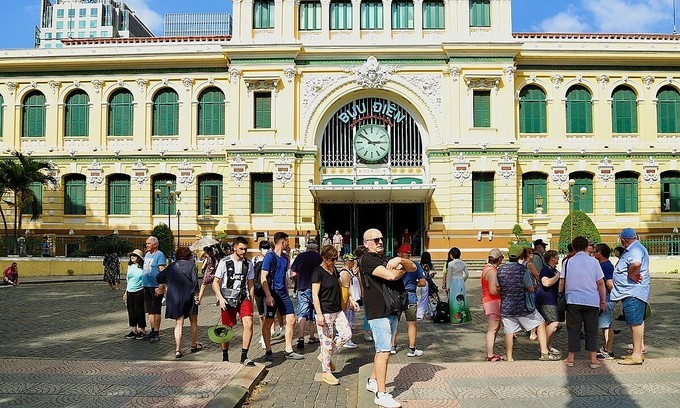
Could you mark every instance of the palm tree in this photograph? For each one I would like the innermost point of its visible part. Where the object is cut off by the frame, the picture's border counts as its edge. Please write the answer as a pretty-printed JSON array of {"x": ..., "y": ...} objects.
[{"x": 17, "y": 175}]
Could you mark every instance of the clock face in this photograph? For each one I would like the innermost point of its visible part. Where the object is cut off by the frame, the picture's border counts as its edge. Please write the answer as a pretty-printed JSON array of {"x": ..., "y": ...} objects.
[{"x": 372, "y": 143}]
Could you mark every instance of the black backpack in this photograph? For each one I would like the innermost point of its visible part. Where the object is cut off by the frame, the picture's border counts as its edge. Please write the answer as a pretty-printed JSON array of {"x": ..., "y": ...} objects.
[{"x": 257, "y": 284}]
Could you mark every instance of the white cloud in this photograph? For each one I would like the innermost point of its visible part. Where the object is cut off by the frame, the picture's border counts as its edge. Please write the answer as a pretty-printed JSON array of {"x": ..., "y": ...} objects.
[
  {"x": 564, "y": 22},
  {"x": 150, "y": 18},
  {"x": 631, "y": 16}
]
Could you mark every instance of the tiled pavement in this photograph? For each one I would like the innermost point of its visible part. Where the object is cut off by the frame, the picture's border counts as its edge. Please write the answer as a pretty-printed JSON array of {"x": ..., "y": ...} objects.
[{"x": 84, "y": 323}]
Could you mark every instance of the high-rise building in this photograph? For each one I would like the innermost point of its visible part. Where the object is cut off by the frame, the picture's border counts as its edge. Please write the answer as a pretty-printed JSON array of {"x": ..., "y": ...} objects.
[
  {"x": 69, "y": 19},
  {"x": 197, "y": 24}
]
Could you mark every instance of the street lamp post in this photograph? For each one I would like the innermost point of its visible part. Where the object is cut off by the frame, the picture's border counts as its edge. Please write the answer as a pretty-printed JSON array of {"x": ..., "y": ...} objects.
[
  {"x": 570, "y": 199},
  {"x": 172, "y": 198}
]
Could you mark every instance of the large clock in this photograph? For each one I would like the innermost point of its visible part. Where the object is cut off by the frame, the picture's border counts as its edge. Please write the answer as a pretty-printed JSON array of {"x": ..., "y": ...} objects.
[{"x": 372, "y": 143}]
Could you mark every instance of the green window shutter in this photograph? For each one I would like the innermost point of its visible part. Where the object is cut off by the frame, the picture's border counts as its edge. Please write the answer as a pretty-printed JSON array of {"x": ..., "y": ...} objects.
[
  {"x": 2, "y": 110},
  {"x": 34, "y": 115},
  {"x": 261, "y": 193},
  {"x": 166, "y": 113},
  {"x": 263, "y": 14},
  {"x": 211, "y": 112},
  {"x": 210, "y": 185},
  {"x": 670, "y": 191},
  {"x": 482, "y": 193},
  {"x": 532, "y": 110},
  {"x": 583, "y": 202},
  {"x": 309, "y": 15},
  {"x": 263, "y": 110},
  {"x": 119, "y": 195},
  {"x": 371, "y": 15},
  {"x": 433, "y": 15},
  {"x": 480, "y": 13},
  {"x": 626, "y": 192},
  {"x": 668, "y": 110},
  {"x": 534, "y": 184},
  {"x": 624, "y": 111},
  {"x": 121, "y": 113},
  {"x": 37, "y": 188},
  {"x": 160, "y": 206},
  {"x": 76, "y": 111},
  {"x": 402, "y": 15},
  {"x": 74, "y": 198},
  {"x": 579, "y": 110},
  {"x": 341, "y": 15},
  {"x": 481, "y": 107}
]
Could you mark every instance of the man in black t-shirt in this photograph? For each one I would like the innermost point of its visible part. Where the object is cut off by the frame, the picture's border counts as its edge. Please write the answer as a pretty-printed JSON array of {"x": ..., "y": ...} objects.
[{"x": 377, "y": 271}]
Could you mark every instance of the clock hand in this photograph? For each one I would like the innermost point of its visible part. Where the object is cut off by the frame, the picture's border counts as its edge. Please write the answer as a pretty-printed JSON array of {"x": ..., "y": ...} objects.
[{"x": 364, "y": 136}]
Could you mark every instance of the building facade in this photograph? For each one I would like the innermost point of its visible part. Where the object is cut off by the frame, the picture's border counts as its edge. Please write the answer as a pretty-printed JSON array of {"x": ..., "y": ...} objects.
[
  {"x": 324, "y": 116},
  {"x": 69, "y": 19},
  {"x": 196, "y": 24}
]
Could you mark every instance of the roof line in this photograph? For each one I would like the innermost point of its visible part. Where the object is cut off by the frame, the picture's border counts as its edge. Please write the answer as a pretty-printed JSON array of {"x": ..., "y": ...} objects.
[
  {"x": 597, "y": 36},
  {"x": 145, "y": 40}
]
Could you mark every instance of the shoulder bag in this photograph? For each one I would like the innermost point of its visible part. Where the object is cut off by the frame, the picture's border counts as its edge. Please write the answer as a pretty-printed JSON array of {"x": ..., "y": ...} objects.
[{"x": 561, "y": 298}]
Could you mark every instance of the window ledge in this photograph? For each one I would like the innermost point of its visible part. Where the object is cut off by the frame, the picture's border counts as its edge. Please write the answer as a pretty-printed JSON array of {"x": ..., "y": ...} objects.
[
  {"x": 626, "y": 134},
  {"x": 262, "y": 130},
  {"x": 524, "y": 134},
  {"x": 580, "y": 135}
]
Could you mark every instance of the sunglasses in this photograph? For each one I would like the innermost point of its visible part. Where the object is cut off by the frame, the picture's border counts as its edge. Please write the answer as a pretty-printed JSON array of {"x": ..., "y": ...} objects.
[
  {"x": 333, "y": 259},
  {"x": 375, "y": 240}
]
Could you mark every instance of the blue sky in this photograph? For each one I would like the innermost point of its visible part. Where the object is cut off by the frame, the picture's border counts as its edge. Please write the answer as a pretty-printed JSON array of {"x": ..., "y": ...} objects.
[{"x": 611, "y": 16}]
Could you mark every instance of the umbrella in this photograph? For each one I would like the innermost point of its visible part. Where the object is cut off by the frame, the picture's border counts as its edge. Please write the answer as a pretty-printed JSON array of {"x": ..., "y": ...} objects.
[{"x": 203, "y": 242}]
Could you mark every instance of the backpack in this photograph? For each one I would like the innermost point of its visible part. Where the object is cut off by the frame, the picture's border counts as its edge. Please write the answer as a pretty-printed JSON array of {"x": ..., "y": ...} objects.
[
  {"x": 257, "y": 284},
  {"x": 354, "y": 288}
]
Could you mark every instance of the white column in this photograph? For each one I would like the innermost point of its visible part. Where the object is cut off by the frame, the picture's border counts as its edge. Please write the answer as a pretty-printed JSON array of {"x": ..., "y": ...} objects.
[
  {"x": 278, "y": 19},
  {"x": 237, "y": 24},
  {"x": 356, "y": 19},
  {"x": 246, "y": 24},
  {"x": 418, "y": 18},
  {"x": 289, "y": 20},
  {"x": 326, "y": 20},
  {"x": 387, "y": 19}
]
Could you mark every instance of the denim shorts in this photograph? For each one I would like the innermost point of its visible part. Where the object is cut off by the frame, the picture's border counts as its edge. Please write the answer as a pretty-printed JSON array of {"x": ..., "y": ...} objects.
[
  {"x": 605, "y": 319},
  {"x": 383, "y": 330},
  {"x": 305, "y": 305},
  {"x": 634, "y": 310}
]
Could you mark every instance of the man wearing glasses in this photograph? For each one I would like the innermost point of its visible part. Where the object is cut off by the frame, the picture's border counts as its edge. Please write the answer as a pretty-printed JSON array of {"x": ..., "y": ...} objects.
[
  {"x": 154, "y": 262},
  {"x": 377, "y": 272}
]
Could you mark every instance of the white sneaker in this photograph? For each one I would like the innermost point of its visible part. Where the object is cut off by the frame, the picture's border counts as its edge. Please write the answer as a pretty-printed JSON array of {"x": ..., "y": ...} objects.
[
  {"x": 383, "y": 399},
  {"x": 393, "y": 351},
  {"x": 372, "y": 385},
  {"x": 414, "y": 353},
  {"x": 350, "y": 345}
]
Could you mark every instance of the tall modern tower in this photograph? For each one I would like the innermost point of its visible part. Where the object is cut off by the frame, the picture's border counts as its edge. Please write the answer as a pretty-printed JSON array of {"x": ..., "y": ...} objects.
[
  {"x": 70, "y": 19},
  {"x": 197, "y": 24}
]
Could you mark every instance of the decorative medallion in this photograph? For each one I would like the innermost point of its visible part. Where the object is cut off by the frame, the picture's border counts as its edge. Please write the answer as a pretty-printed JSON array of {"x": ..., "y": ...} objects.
[
  {"x": 54, "y": 85},
  {"x": 483, "y": 83},
  {"x": 283, "y": 170},
  {"x": 603, "y": 80},
  {"x": 143, "y": 83},
  {"x": 559, "y": 174},
  {"x": 289, "y": 73},
  {"x": 95, "y": 174},
  {"x": 506, "y": 168},
  {"x": 605, "y": 171},
  {"x": 255, "y": 85},
  {"x": 11, "y": 86},
  {"x": 238, "y": 170},
  {"x": 651, "y": 171},
  {"x": 234, "y": 75},
  {"x": 461, "y": 168},
  {"x": 455, "y": 73},
  {"x": 186, "y": 174},
  {"x": 34, "y": 84},
  {"x": 187, "y": 82},
  {"x": 140, "y": 174},
  {"x": 557, "y": 80},
  {"x": 371, "y": 74},
  {"x": 648, "y": 80},
  {"x": 510, "y": 73},
  {"x": 76, "y": 83},
  {"x": 97, "y": 84}
]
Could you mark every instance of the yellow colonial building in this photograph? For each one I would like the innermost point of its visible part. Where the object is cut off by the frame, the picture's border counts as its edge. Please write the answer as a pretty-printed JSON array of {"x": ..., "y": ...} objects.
[{"x": 344, "y": 115}]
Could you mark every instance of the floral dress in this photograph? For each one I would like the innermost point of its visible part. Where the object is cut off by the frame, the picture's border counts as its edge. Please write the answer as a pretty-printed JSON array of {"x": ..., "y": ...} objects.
[{"x": 112, "y": 268}]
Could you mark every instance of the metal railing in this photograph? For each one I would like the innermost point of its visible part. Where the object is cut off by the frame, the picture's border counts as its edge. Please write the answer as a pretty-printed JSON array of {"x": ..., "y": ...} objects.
[{"x": 657, "y": 245}]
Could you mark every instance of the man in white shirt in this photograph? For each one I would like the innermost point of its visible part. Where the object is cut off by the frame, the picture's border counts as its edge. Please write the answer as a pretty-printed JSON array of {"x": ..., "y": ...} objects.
[{"x": 236, "y": 272}]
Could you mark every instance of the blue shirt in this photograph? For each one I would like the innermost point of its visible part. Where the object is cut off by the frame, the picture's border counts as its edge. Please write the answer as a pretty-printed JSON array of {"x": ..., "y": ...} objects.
[
  {"x": 151, "y": 268},
  {"x": 608, "y": 271},
  {"x": 277, "y": 278},
  {"x": 134, "y": 278},
  {"x": 623, "y": 286},
  {"x": 410, "y": 280}
]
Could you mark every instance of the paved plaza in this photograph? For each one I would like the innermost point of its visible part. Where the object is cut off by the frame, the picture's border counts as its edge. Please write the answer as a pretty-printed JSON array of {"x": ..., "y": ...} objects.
[{"x": 63, "y": 345}]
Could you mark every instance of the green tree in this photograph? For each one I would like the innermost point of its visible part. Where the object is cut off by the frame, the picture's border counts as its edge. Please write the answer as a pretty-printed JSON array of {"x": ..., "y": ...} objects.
[
  {"x": 166, "y": 241},
  {"x": 517, "y": 231},
  {"x": 16, "y": 176},
  {"x": 583, "y": 226}
]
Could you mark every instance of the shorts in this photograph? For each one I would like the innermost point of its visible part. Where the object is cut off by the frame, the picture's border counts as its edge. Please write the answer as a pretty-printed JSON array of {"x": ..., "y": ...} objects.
[
  {"x": 634, "y": 310},
  {"x": 152, "y": 303},
  {"x": 513, "y": 324},
  {"x": 245, "y": 309},
  {"x": 492, "y": 309},
  {"x": 305, "y": 305},
  {"x": 549, "y": 313},
  {"x": 410, "y": 312},
  {"x": 605, "y": 319},
  {"x": 259, "y": 302},
  {"x": 282, "y": 303},
  {"x": 383, "y": 330}
]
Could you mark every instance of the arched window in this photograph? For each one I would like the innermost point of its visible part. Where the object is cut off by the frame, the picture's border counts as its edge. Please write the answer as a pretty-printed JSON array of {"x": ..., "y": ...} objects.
[
  {"x": 74, "y": 194},
  {"x": 341, "y": 15},
  {"x": 402, "y": 15},
  {"x": 433, "y": 15},
  {"x": 121, "y": 113},
  {"x": 626, "y": 192},
  {"x": 579, "y": 110},
  {"x": 309, "y": 15},
  {"x": 582, "y": 202},
  {"x": 668, "y": 110},
  {"x": 210, "y": 185},
  {"x": 166, "y": 113},
  {"x": 119, "y": 194},
  {"x": 480, "y": 13},
  {"x": 532, "y": 110},
  {"x": 33, "y": 111},
  {"x": 263, "y": 14},
  {"x": 76, "y": 111},
  {"x": 624, "y": 110},
  {"x": 372, "y": 15},
  {"x": 670, "y": 191},
  {"x": 211, "y": 112},
  {"x": 161, "y": 206},
  {"x": 534, "y": 184}
]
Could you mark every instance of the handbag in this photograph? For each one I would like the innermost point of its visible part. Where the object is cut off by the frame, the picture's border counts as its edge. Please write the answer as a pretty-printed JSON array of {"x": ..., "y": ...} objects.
[
  {"x": 562, "y": 298},
  {"x": 231, "y": 296},
  {"x": 396, "y": 302}
]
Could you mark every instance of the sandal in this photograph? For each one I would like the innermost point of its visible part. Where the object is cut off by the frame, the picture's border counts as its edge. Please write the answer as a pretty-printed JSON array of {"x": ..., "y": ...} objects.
[
  {"x": 495, "y": 357},
  {"x": 312, "y": 340},
  {"x": 198, "y": 347},
  {"x": 178, "y": 354}
]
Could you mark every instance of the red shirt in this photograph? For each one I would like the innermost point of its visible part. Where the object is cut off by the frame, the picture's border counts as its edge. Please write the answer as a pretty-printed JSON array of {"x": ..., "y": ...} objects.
[{"x": 486, "y": 295}]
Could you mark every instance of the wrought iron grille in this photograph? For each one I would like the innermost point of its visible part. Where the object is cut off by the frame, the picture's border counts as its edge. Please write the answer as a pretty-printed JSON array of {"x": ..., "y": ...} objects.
[{"x": 337, "y": 148}]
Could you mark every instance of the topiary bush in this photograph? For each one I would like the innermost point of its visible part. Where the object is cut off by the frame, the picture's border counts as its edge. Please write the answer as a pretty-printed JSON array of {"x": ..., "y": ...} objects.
[
  {"x": 583, "y": 226},
  {"x": 166, "y": 241}
]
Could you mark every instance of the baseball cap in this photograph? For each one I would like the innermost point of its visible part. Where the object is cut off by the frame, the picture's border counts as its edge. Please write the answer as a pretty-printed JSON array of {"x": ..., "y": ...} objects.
[
  {"x": 495, "y": 253},
  {"x": 540, "y": 242},
  {"x": 628, "y": 233},
  {"x": 403, "y": 249},
  {"x": 348, "y": 257},
  {"x": 515, "y": 251}
]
